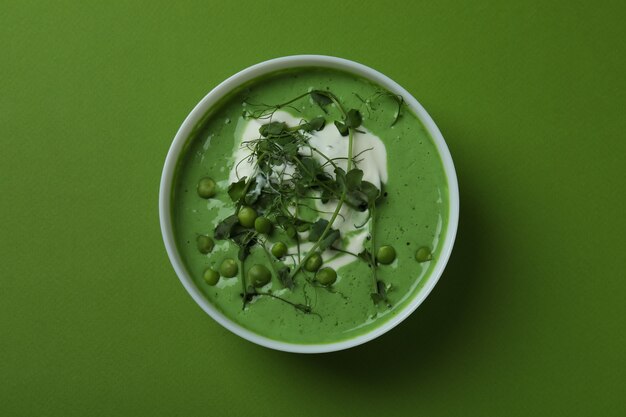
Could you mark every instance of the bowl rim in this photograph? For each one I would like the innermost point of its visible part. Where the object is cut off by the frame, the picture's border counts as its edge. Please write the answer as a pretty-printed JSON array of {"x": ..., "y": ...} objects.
[{"x": 251, "y": 73}]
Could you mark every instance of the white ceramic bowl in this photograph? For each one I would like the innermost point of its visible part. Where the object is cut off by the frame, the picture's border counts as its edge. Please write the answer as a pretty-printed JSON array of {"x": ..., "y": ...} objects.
[{"x": 249, "y": 74}]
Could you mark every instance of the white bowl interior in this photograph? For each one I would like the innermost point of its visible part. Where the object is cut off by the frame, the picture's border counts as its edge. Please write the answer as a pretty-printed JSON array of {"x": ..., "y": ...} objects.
[{"x": 252, "y": 73}]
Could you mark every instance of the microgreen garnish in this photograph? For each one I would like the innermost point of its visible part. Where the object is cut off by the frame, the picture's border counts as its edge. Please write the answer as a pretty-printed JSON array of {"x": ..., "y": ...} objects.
[
  {"x": 251, "y": 293},
  {"x": 321, "y": 98},
  {"x": 398, "y": 99},
  {"x": 380, "y": 295},
  {"x": 284, "y": 199},
  {"x": 236, "y": 190},
  {"x": 226, "y": 227},
  {"x": 323, "y": 234}
]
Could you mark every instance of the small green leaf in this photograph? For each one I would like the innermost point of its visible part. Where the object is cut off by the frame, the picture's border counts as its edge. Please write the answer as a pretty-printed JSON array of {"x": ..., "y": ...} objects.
[
  {"x": 253, "y": 192},
  {"x": 330, "y": 238},
  {"x": 357, "y": 199},
  {"x": 285, "y": 277},
  {"x": 353, "y": 119},
  {"x": 236, "y": 189},
  {"x": 340, "y": 179},
  {"x": 284, "y": 139},
  {"x": 380, "y": 294},
  {"x": 382, "y": 290},
  {"x": 272, "y": 129},
  {"x": 324, "y": 177},
  {"x": 290, "y": 150},
  {"x": 225, "y": 228},
  {"x": 240, "y": 235},
  {"x": 342, "y": 128},
  {"x": 316, "y": 123},
  {"x": 317, "y": 229},
  {"x": 321, "y": 98},
  {"x": 263, "y": 146},
  {"x": 243, "y": 253},
  {"x": 303, "y": 226},
  {"x": 353, "y": 179},
  {"x": 311, "y": 168},
  {"x": 282, "y": 220},
  {"x": 370, "y": 190},
  {"x": 376, "y": 298}
]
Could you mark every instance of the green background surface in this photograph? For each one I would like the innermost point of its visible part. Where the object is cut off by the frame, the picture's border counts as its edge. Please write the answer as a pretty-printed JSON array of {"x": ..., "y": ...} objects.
[{"x": 528, "y": 319}]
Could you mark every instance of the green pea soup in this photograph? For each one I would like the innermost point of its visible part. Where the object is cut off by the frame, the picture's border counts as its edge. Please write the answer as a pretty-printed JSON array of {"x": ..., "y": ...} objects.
[{"x": 414, "y": 214}]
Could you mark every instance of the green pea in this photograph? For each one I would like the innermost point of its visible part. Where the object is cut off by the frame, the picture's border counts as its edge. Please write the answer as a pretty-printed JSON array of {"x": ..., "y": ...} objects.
[
  {"x": 211, "y": 277},
  {"x": 229, "y": 268},
  {"x": 279, "y": 249},
  {"x": 259, "y": 276},
  {"x": 263, "y": 225},
  {"x": 207, "y": 187},
  {"x": 247, "y": 216},
  {"x": 423, "y": 254},
  {"x": 385, "y": 255},
  {"x": 205, "y": 244},
  {"x": 314, "y": 262},
  {"x": 326, "y": 276}
]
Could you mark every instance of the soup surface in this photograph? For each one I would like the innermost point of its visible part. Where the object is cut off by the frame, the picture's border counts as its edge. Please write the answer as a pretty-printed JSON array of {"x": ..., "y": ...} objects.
[{"x": 261, "y": 143}]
